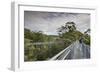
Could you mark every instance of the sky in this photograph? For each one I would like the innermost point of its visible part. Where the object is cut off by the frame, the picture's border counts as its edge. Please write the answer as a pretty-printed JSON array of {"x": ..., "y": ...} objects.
[{"x": 49, "y": 22}]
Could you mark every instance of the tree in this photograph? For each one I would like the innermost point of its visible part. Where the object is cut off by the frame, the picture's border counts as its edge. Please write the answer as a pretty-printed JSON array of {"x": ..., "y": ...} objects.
[
  {"x": 28, "y": 34},
  {"x": 86, "y": 36},
  {"x": 87, "y": 31},
  {"x": 62, "y": 29},
  {"x": 68, "y": 27}
]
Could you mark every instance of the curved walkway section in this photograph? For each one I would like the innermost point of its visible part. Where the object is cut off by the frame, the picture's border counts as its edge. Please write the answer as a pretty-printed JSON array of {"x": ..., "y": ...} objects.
[{"x": 76, "y": 50}]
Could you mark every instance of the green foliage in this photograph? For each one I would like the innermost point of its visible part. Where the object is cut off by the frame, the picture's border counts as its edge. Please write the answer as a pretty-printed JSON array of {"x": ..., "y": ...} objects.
[
  {"x": 86, "y": 39},
  {"x": 36, "y": 36},
  {"x": 67, "y": 35}
]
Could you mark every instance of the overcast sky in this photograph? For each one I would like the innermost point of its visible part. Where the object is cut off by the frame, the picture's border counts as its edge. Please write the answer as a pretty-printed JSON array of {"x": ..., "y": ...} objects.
[{"x": 48, "y": 22}]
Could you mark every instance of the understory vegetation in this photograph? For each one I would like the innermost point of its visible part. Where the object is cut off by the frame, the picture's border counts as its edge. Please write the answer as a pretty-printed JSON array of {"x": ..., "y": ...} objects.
[{"x": 39, "y": 46}]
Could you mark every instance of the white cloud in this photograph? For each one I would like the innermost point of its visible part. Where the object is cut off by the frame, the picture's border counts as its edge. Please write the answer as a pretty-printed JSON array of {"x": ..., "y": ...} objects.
[{"x": 48, "y": 22}]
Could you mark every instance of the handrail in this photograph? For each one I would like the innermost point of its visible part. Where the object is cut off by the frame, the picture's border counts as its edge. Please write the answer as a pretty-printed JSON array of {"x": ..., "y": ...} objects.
[
  {"x": 57, "y": 55},
  {"x": 66, "y": 54}
]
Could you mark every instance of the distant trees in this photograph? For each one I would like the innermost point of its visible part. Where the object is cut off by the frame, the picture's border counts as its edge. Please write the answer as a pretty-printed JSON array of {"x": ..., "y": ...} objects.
[
  {"x": 34, "y": 36},
  {"x": 28, "y": 34}
]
